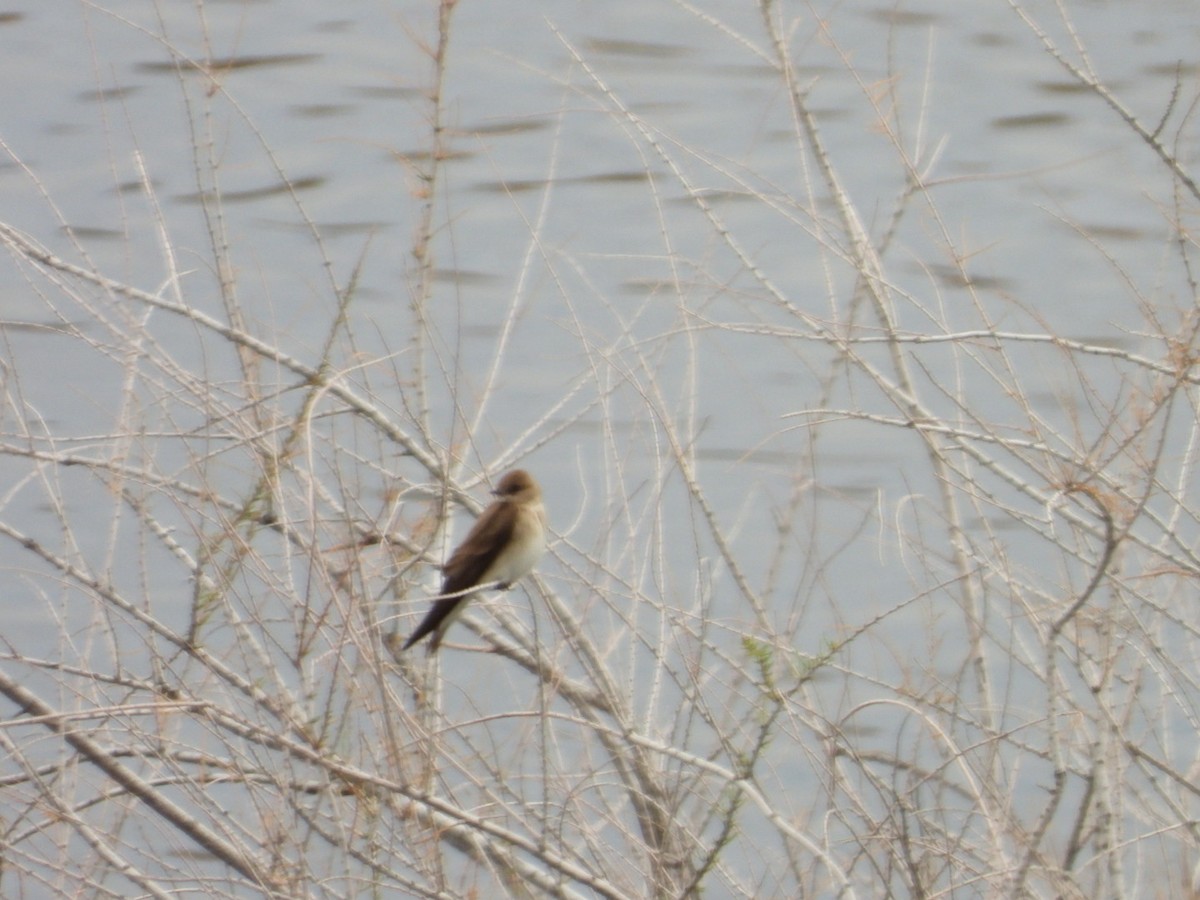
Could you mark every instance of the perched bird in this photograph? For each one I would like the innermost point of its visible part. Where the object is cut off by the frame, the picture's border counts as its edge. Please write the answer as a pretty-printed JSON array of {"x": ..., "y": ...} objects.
[{"x": 502, "y": 547}]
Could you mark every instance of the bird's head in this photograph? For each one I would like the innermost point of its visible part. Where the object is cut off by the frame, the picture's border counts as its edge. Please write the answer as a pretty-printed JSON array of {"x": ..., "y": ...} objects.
[{"x": 518, "y": 486}]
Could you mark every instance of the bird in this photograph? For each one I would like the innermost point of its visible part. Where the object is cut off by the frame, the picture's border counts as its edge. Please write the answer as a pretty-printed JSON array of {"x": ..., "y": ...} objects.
[{"x": 502, "y": 547}]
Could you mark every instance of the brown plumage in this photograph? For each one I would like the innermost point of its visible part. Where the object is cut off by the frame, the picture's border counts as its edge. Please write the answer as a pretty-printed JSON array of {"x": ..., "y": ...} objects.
[{"x": 502, "y": 546}]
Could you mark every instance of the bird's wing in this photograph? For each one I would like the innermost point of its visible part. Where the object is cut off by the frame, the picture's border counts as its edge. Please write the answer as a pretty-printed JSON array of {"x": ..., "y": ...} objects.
[
  {"x": 468, "y": 564},
  {"x": 489, "y": 535}
]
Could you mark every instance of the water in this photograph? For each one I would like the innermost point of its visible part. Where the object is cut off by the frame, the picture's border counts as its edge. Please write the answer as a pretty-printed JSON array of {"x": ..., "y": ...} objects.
[{"x": 626, "y": 224}]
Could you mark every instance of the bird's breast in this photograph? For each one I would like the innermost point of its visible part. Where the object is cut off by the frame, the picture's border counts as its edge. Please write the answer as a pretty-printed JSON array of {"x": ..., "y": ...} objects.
[{"x": 524, "y": 550}]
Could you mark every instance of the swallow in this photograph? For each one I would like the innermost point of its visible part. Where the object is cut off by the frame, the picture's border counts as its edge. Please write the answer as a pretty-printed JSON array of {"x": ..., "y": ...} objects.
[{"x": 501, "y": 548}]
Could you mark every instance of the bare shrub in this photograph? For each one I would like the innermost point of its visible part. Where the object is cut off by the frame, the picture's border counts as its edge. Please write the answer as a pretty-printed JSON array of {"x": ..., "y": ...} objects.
[{"x": 744, "y": 672}]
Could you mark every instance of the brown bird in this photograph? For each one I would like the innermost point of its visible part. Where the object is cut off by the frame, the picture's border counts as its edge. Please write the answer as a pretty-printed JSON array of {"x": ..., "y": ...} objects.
[{"x": 502, "y": 547}]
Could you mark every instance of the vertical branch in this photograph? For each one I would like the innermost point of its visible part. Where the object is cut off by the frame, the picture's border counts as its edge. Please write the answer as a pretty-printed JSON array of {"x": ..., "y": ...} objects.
[
  {"x": 1052, "y": 687},
  {"x": 422, "y": 245},
  {"x": 868, "y": 268}
]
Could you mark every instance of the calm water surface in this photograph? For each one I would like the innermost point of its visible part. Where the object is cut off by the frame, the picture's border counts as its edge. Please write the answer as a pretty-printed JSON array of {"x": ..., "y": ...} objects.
[{"x": 334, "y": 100}]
